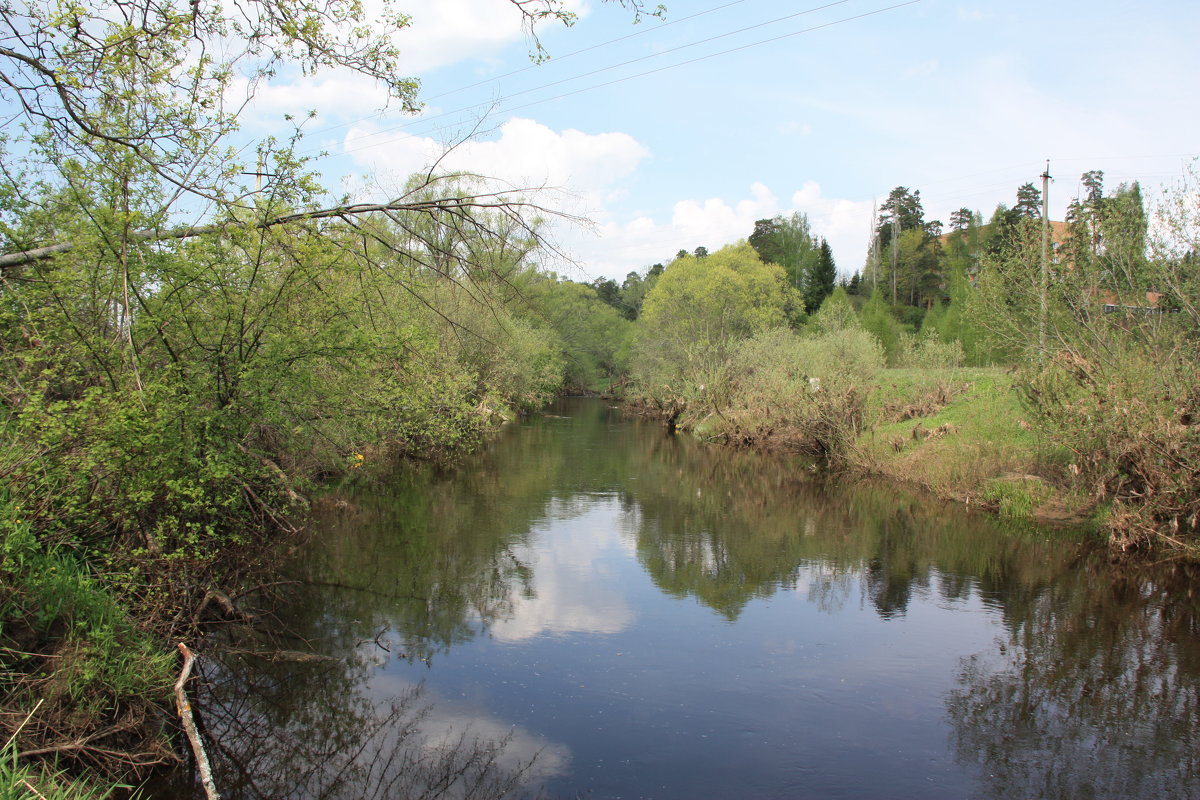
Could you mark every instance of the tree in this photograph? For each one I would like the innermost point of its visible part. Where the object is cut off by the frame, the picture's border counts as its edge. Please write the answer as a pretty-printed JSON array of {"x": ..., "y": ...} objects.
[
  {"x": 905, "y": 246},
  {"x": 635, "y": 288},
  {"x": 788, "y": 242},
  {"x": 854, "y": 285},
  {"x": 152, "y": 83},
  {"x": 766, "y": 240},
  {"x": 820, "y": 281},
  {"x": 1106, "y": 243},
  {"x": 877, "y": 318},
  {"x": 901, "y": 212},
  {"x": 835, "y": 315},
  {"x": 1029, "y": 202},
  {"x": 179, "y": 356},
  {"x": 609, "y": 292},
  {"x": 591, "y": 331},
  {"x": 699, "y": 308},
  {"x": 1114, "y": 383},
  {"x": 961, "y": 219}
]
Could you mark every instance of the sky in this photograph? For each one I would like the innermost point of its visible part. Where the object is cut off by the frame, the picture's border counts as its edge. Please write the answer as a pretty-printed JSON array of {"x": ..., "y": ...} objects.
[{"x": 680, "y": 132}]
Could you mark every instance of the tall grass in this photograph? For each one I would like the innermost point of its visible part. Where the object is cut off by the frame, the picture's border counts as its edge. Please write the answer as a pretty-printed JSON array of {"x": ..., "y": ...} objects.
[{"x": 70, "y": 651}]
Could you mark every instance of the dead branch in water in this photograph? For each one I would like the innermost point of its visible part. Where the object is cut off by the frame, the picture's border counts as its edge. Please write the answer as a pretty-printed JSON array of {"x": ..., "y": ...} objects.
[{"x": 189, "y": 724}]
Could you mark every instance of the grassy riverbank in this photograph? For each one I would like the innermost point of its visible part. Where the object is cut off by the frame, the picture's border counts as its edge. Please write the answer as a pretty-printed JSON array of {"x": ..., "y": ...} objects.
[
  {"x": 964, "y": 434},
  {"x": 961, "y": 433}
]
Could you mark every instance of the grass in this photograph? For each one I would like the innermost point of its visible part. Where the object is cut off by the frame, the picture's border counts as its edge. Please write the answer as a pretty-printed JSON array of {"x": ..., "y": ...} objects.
[
  {"x": 966, "y": 436},
  {"x": 69, "y": 645},
  {"x": 22, "y": 781}
]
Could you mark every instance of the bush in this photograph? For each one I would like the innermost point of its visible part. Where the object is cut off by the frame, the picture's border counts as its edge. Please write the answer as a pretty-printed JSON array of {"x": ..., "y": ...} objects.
[
  {"x": 927, "y": 351},
  {"x": 1132, "y": 422},
  {"x": 69, "y": 650},
  {"x": 803, "y": 393}
]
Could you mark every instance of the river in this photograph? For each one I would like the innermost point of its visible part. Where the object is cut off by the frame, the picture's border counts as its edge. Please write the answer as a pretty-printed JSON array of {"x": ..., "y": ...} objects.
[{"x": 592, "y": 607}]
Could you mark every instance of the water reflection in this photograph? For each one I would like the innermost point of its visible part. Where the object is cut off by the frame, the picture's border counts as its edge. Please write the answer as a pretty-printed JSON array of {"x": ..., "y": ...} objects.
[
  {"x": 1092, "y": 692},
  {"x": 643, "y": 611},
  {"x": 311, "y": 731},
  {"x": 571, "y": 591}
]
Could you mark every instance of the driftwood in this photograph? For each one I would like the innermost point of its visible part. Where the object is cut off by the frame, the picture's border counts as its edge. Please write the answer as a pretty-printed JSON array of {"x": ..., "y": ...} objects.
[{"x": 189, "y": 724}]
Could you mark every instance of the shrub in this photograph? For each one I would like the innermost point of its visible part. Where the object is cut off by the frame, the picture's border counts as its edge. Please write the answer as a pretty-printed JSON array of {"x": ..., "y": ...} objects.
[
  {"x": 803, "y": 393},
  {"x": 927, "y": 351},
  {"x": 69, "y": 649},
  {"x": 1132, "y": 422}
]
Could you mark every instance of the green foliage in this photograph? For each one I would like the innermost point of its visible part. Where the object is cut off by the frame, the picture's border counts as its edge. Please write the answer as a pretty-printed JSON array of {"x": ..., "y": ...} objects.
[
  {"x": 928, "y": 351},
  {"x": 1127, "y": 415},
  {"x": 166, "y": 389},
  {"x": 1115, "y": 384},
  {"x": 902, "y": 211},
  {"x": 819, "y": 282},
  {"x": 110, "y": 467},
  {"x": 805, "y": 393},
  {"x": 876, "y": 318},
  {"x": 19, "y": 781},
  {"x": 700, "y": 308},
  {"x": 161, "y": 402},
  {"x": 1015, "y": 499},
  {"x": 790, "y": 243},
  {"x": 67, "y": 645},
  {"x": 593, "y": 335},
  {"x": 835, "y": 314}
]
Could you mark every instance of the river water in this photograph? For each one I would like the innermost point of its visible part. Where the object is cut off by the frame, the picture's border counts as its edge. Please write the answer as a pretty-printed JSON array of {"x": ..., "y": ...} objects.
[{"x": 591, "y": 607}]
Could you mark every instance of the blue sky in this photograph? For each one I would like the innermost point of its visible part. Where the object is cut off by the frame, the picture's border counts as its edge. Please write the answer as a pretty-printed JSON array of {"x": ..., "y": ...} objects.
[{"x": 962, "y": 100}]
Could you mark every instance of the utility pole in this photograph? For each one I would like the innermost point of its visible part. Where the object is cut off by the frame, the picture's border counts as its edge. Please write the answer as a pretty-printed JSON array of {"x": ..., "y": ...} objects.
[
  {"x": 1045, "y": 282},
  {"x": 258, "y": 177}
]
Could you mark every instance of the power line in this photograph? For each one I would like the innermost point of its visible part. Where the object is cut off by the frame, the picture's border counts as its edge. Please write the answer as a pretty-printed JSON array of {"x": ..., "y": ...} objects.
[
  {"x": 555, "y": 60},
  {"x": 647, "y": 72},
  {"x": 479, "y": 106},
  {"x": 560, "y": 59}
]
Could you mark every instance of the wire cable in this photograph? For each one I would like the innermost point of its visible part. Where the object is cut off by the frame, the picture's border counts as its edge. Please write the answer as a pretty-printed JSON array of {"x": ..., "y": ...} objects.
[{"x": 496, "y": 104}]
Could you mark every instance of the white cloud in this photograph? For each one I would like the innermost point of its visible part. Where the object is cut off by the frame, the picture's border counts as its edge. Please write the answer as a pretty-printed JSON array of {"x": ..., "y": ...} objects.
[
  {"x": 442, "y": 720},
  {"x": 440, "y": 34},
  {"x": 620, "y": 248},
  {"x": 335, "y": 94},
  {"x": 846, "y": 224},
  {"x": 529, "y": 753},
  {"x": 585, "y": 169},
  {"x": 634, "y": 245},
  {"x": 448, "y": 31}
]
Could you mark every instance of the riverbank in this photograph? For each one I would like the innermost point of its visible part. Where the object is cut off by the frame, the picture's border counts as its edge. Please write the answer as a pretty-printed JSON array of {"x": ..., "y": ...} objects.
[
  {"x": 963, "y": 434},
  {"x": 959, "y": 433},
  {"x": 89, "y": 627}
]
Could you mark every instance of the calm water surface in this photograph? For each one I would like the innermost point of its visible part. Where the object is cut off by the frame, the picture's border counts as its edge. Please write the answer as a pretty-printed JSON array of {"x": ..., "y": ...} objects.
[{"x": 644, "y": 617}]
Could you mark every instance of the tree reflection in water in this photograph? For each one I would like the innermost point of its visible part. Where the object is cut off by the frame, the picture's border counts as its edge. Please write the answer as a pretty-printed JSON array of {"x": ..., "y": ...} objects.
[
  {"x": 1092, "y": 693},
  {"x": 309, "y": 731}
]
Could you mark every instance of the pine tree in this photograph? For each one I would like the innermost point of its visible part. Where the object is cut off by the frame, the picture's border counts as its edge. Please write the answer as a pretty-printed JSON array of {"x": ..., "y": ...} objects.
[{"x": 821, "y": 278}]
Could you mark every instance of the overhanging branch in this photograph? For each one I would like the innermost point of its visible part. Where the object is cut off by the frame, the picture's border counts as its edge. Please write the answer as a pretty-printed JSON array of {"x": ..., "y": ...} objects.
[{"x": 450, "y": 205}]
